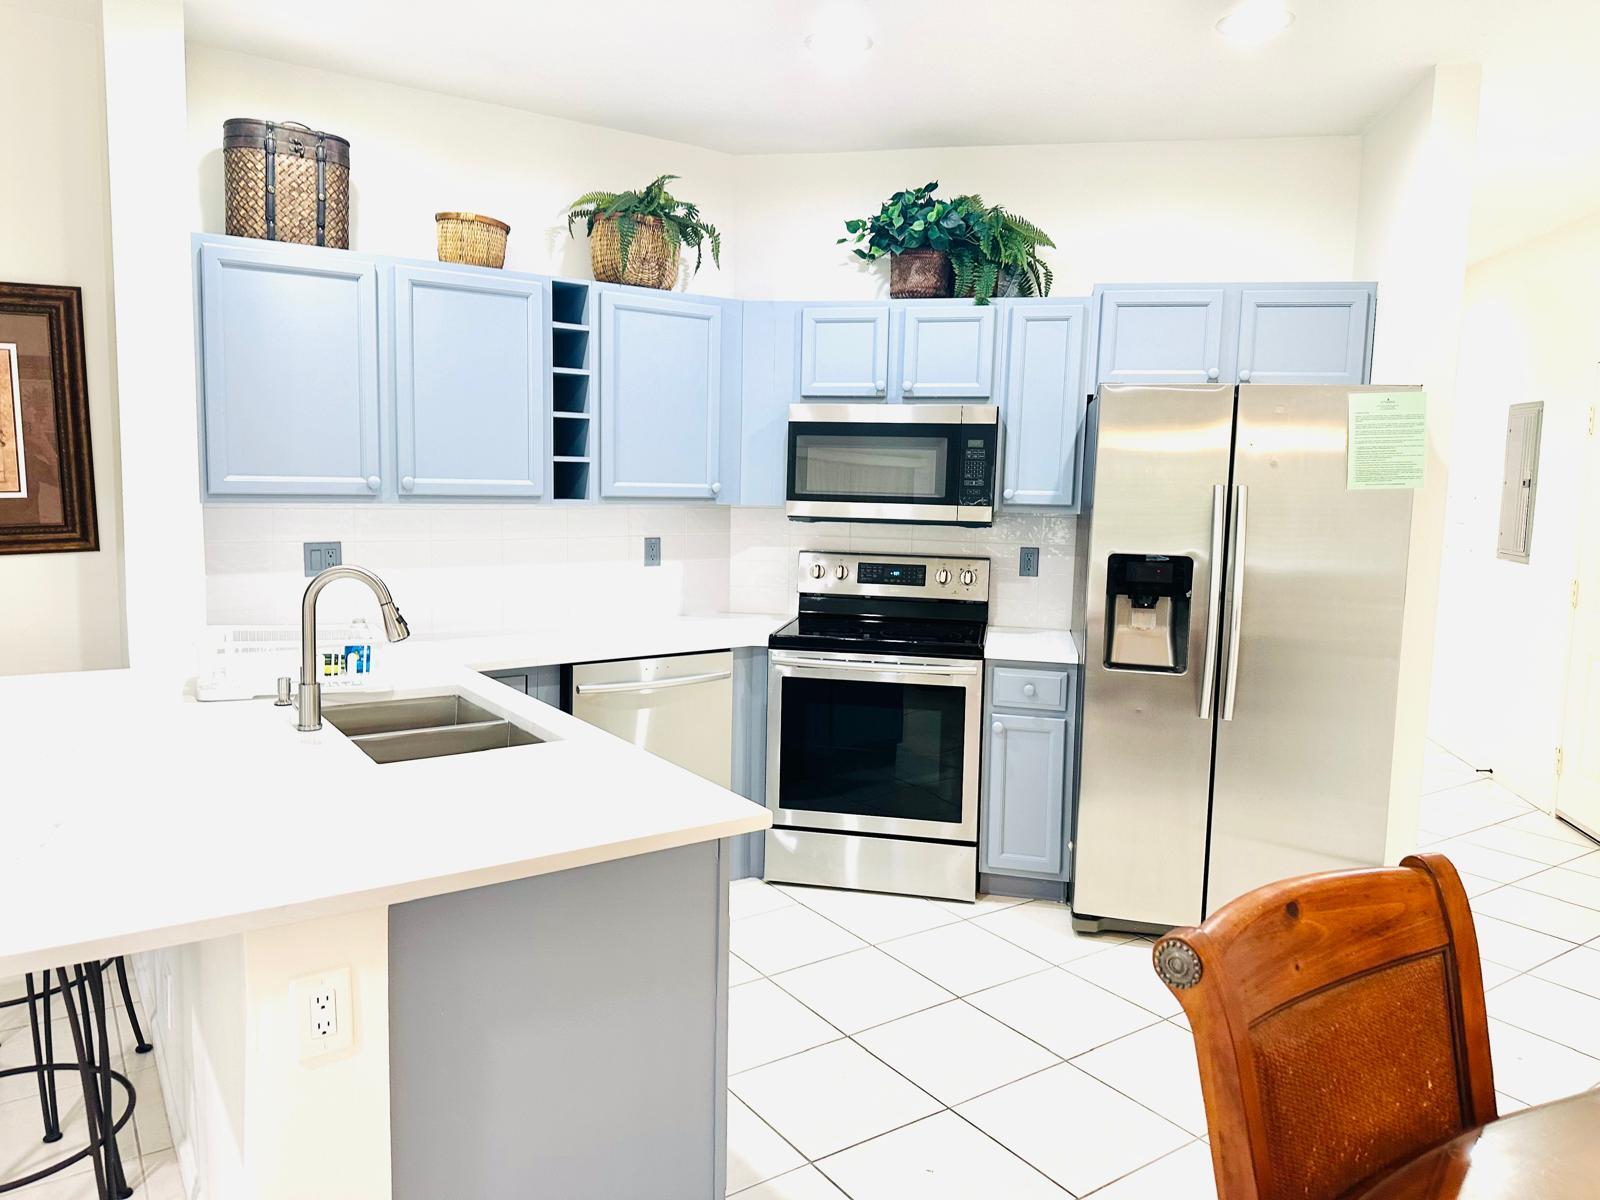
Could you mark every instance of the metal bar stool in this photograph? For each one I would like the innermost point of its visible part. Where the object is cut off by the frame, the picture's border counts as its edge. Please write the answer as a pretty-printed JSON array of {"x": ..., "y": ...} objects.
[{"x": 89, "y": 1018}]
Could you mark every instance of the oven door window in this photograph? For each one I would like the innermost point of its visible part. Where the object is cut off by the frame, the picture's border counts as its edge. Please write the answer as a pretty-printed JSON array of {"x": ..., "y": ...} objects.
[
  {"x": 885, "y": 464},
  {"x": 891, "y": 750}
]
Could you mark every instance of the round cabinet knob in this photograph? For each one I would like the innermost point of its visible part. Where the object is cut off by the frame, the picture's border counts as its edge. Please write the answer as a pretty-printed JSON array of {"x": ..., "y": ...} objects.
[
  {"x": 968, "y": 578},
  {"x": 818, "y": 570},
  {"x": 373, "y": 483},
  {"x": 883, "y": 386},
  {"x": 841, "y": 572},
  {"x": 1213, "y": 373},
  {"x": 716, "y": 489},
  {"x": 908, "y": 387},
  {"x": 407, "y": 483},
  {"x": 1009, "y": 493},
  {"x": 941, "y": 576},
  {"x": 1244, "y": 376},
  {"x": 1029, "y": 690},
  {"x": 998, "y": 727}
]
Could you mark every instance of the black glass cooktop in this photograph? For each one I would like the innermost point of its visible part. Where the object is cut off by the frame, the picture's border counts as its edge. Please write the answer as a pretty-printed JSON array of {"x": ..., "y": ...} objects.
[{"x": 881, "y": 635}]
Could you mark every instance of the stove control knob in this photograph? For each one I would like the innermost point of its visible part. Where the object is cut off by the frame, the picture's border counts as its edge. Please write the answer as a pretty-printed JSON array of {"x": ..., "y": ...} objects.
[
  {"x": 942, "y": 577},
  {"x": 818, "y": 570},
  {"x": 968, "y": 578},
  {"x": 842, "y": 571}
]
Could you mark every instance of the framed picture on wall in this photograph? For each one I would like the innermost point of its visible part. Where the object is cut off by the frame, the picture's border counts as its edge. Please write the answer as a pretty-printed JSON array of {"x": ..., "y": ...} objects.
[{"x": 46, "y": 471}]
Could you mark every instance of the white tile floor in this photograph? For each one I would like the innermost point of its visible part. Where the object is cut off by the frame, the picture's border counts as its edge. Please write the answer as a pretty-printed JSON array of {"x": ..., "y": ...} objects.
[
  {"x": 935, "y": 1051},
  {"x": 886, "y": 1048},
  {"x": 146, "y": 1144}
]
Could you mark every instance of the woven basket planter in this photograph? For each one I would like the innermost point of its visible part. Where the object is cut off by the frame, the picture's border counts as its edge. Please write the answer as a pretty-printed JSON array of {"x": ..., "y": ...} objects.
[
  {"x": 286, "y": 182},
  {"x": 471, "y": 238},
  {"x": 652, "y": 262},
  {"x": 923, "y": 274}
]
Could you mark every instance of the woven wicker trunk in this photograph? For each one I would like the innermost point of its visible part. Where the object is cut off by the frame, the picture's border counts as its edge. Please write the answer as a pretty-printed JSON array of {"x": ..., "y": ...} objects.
[
  {"x": 652, "y": 262},
  {"x": 286, "y": 183}
]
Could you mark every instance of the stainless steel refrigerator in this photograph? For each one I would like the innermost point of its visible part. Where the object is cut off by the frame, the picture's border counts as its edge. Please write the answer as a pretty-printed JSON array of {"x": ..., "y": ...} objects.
[{"x": 1242, "y": 609}]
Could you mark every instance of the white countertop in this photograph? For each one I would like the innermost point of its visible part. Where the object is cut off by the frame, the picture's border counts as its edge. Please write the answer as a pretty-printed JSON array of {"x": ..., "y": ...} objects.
[
  {"x": 1030, "y": 645},
  {"x": 137, "y": 817}
]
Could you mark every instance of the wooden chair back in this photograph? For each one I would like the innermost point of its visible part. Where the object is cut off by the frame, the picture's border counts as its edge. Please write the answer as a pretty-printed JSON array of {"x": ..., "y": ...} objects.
[{"x": 1340, "y": 1026}]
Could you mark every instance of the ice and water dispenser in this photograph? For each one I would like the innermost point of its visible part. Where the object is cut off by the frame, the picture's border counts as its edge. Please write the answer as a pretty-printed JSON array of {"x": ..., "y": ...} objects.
[{"x": 1147, "y": 609}]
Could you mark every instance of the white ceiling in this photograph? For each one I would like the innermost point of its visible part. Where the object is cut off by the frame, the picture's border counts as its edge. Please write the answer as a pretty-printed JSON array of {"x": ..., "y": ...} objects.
[{"x": 734, "y": 75}]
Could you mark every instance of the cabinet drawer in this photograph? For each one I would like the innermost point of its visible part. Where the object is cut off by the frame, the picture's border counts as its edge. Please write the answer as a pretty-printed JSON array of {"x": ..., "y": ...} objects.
[{"x": 1017, "y": 687}]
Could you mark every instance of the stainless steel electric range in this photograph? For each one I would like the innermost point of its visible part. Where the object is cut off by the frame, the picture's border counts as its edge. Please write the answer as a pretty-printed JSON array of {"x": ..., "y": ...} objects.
[{"x": 874, "y": 709}]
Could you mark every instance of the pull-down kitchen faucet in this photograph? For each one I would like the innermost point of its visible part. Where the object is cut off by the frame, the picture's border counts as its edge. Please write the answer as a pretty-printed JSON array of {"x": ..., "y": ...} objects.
[{"x": 394, "y": 627}]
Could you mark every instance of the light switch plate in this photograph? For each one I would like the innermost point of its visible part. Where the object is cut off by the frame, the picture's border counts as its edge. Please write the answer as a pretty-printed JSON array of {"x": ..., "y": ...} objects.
[
  {"x": 1028, "y": 561},
  {"x": 652, "y": 552},
  {"x": 322, "y": 1009},
  {"x": 320, "y": 556}
]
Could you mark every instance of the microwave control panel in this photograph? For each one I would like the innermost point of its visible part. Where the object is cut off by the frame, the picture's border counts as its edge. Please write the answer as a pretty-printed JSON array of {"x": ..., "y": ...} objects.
[{"x": 977, "y": 472}]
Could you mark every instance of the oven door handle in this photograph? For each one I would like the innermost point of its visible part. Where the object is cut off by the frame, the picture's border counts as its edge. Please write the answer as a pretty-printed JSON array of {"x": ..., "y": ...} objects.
[{"x": 876, "y": 665}]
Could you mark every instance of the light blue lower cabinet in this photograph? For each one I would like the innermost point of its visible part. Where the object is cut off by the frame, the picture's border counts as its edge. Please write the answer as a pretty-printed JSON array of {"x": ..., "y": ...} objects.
[{"x": 1028, "y": 776}]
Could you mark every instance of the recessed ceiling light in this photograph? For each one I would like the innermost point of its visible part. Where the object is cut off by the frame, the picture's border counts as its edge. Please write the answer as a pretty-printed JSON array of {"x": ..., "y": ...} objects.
[{"x": 1255, "y": 21}]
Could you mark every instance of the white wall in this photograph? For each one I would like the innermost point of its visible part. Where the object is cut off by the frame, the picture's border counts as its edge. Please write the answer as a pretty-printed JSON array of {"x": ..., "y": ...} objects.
[
  {"x": 142, "y": 56},
  {"x": 414, "y": 153},
  {"x": 1416, "y": 201},
  {"x": 1531, "y": 332},
  {"x": 1264, "y": 209},
  {"x": 62, "y": 612}
]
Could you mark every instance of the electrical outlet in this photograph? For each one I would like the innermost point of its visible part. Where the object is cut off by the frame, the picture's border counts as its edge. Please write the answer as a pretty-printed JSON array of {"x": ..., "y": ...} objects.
[
  {"x": 320, "y": 1006},
  {"x": 324, "y": 1014},
  {"x": 652, "y": 552},
  {"x": 320, "y": 556},
  {"x": 1028, "y": 561}
]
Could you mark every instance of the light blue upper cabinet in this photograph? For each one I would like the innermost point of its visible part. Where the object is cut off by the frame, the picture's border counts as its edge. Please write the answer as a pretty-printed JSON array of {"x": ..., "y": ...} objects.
[
  {"x": 948, "y": 352},
  {"x": 1304, "y": 335},
  {"x": 1162, "y": 335},
  {"x": 1045, "y": 396},
  {"x": 660, "y": 397},
  {"x": 1025, "y": 813},
  {"x": 471, "y": 371},
  {"x": 289, "y": 371},
  {"x": 844, "y": 352}
]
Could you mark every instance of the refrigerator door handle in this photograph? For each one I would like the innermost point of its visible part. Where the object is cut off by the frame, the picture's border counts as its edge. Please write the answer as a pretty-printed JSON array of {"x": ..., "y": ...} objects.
[
  {"x": 1208, "y": 674},
  {"x": 1230, "y": 688}
]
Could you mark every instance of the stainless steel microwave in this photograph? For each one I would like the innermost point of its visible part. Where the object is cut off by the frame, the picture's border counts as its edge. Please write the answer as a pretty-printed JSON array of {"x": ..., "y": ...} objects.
[{"x": 921, "y": 464}]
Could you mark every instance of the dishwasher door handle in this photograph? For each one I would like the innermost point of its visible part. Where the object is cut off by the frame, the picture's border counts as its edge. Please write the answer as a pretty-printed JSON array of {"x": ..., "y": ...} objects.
[{"x": 647, "y": 685}]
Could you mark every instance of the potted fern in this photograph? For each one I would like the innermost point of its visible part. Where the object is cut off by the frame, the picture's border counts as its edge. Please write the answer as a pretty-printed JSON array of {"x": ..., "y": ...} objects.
[
  {"x": 916, "y": 232},
  {"x": 999, "y": 254},
  {"x": 638, "y": 237}
]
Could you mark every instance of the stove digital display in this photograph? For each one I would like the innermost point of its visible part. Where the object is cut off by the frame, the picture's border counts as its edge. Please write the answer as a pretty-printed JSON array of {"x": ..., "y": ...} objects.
[{"x": 894, "y": 574}]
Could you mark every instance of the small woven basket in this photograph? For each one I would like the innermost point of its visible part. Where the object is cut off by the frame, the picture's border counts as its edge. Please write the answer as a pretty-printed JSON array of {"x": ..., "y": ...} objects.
[
  {"x": 652, "y": 262},
  {"x": 471, "y": 238}
]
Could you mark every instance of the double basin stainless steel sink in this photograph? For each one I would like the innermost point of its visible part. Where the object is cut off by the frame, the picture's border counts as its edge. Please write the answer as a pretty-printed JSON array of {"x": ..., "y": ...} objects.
[{"x": 389, "y": 731}]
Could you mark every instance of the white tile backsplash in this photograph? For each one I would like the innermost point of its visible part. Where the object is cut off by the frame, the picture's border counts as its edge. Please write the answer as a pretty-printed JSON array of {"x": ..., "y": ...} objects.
[
  {"x": 483, "y": 568},
  {"x": 458, "y": 569}
]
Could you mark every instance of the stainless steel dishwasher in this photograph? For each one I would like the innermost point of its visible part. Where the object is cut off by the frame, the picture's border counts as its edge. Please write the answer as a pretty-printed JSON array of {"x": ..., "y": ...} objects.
[{"x": 680, "y": 708}]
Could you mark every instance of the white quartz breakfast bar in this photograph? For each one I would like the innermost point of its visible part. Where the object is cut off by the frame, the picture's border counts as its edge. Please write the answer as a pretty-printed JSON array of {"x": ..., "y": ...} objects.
[{"x": 510, "y": 919}]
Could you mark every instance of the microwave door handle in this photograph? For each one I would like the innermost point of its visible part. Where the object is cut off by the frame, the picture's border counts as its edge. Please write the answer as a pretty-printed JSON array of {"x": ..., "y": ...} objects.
[
  {"x": 1235, "y": 601},
  {"x": 1208, "y": 676}
]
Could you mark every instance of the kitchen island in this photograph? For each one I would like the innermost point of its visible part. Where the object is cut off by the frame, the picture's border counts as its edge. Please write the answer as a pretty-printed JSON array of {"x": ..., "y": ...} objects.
[{"x": 535, "y": 935}]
